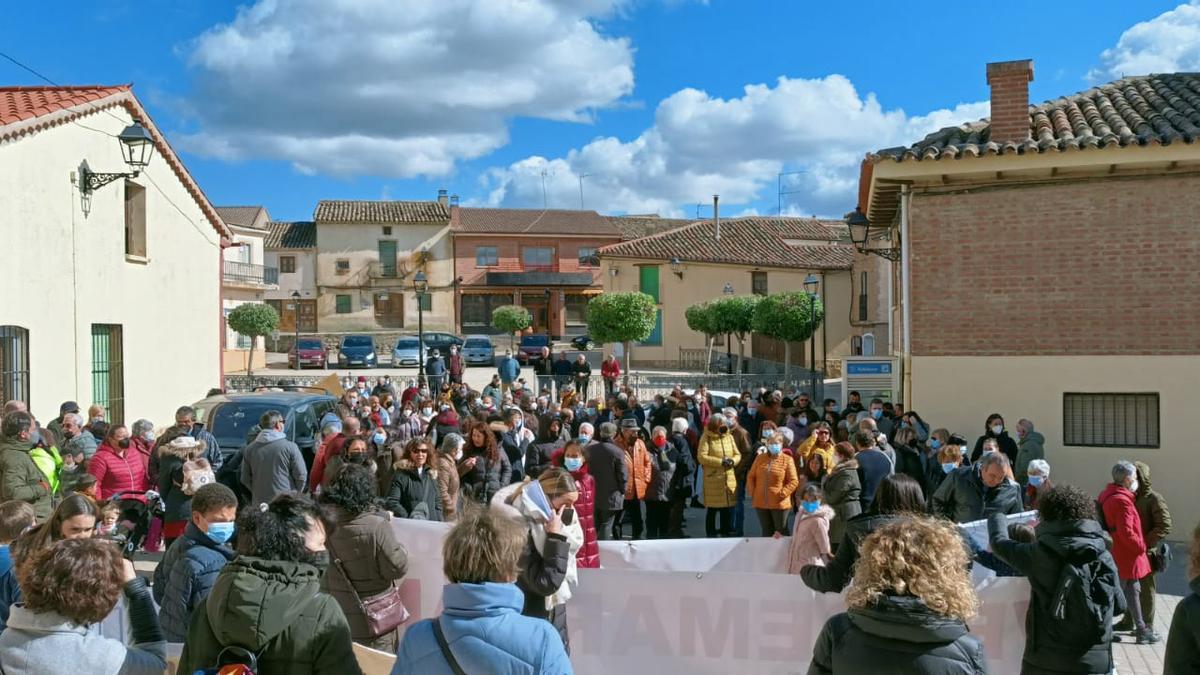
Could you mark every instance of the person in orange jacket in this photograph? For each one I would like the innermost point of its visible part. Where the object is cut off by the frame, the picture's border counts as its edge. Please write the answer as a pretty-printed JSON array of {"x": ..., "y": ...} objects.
[
  {"x": 637, "y": 466},
  {"x": 770, "y": 483}
]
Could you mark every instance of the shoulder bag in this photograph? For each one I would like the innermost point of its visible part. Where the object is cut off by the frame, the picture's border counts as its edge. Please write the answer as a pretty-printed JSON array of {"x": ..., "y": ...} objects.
[{"x": 384, "y": 612}]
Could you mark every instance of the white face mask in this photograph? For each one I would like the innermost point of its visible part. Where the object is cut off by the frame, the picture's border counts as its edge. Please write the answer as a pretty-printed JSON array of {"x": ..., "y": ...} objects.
[
  {"x": 997, "y": 429},
  {"x": 1133, "y": 487},
  {"x": 427, "y": 411}
]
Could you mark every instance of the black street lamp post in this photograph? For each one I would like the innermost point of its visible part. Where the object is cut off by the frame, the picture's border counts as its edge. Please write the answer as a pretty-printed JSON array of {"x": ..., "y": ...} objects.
[
  {"x": 420, "y": 287},
  {"x": 296, "y": 320},
  {"x": 810, "y": 285}
]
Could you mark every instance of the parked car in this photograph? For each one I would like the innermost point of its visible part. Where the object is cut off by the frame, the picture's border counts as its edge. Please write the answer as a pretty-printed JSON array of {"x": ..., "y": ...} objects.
[
  {"x": 530, "y": 350},
  {"x": 408, "y": 351},
  {"x": 357, "y": 350},
  {"x": 441, "y": 341},
  {"x": 583, "y": 342},
  {"x": 233, "y": 418},
  {"x": 479, "y": 350},
  {"x": 312, "y": 353}
]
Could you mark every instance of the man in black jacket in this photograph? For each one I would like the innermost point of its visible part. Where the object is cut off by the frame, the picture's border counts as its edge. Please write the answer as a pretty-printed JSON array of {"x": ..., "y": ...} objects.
[
  {"x": 606, "y": 463},
  {"x": 969, "y": 491},
  {"x": 1068, "y": 534},
  {"x": 873, "y": 466}
]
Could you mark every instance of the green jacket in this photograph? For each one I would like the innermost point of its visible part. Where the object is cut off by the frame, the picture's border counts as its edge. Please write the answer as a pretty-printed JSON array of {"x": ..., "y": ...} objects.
[
  {"x": 20, "y": 478},
  {"x": 1151, "y": 507},
  {"x": 276, "y": 608},
  {"x": 1031, "y": 447}
]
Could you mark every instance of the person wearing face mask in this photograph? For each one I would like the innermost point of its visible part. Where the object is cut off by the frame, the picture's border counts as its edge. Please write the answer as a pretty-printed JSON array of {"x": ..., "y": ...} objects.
[
  {"x": 1030, "y": 446},
  {"x": 571, "y": 458},
  {"x": 20, "y": 478},
  {"x": 414, "y": 490},
  {"x": 272, "y": 465},
  {"x": 117, "y": 465},
  {"x": 658, "y": 491},
  {"x": 810, "y": 536},
  {"x": 1119, "y": 515},
  {"x": 994, "y": 429},
  {"x": 971, "y": 491},
  {"x": 515, "y": 440},
  {"x": 449, "y": 453},
  {"x": 268, "y": 599},
  {"x": 191, "y": 565},
  {"x": 718, "y": 454},
  {"x": 1038, "y": 482},
  {"x": 842, "y": 491},
  {"x": 949, "y": 458},
  {"x": 357, "y": 451},
  {"x": 771, "y": 482}
]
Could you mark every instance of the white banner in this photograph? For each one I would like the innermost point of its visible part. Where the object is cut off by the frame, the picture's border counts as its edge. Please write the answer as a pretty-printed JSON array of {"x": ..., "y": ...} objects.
[{"x": 703, "y": 606}]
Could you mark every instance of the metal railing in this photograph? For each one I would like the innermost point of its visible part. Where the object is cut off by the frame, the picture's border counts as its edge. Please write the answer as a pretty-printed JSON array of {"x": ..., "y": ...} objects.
[
  {"x": 249, "y": 273},
  {"x": 648, "y": 385},
  {"x": 238, "y": 383}
]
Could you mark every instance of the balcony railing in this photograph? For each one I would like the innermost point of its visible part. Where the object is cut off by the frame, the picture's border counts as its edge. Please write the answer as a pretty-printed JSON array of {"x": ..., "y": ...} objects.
[{"x": 248, "y": 273}]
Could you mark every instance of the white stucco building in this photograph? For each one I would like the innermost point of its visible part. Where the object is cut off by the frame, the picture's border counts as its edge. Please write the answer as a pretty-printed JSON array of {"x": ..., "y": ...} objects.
[
  {"x": 244, "y": 279},
  {"x": 291, "y": 248},
  {"x": 110, "y": 295}
]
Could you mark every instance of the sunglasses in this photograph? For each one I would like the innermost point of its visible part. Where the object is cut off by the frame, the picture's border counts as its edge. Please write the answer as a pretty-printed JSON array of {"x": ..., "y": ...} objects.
[{"x": 421, "y": 450}]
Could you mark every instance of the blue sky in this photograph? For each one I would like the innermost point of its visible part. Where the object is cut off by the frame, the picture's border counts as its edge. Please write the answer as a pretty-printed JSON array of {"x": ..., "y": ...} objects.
[{"x": 285, "y": 103}]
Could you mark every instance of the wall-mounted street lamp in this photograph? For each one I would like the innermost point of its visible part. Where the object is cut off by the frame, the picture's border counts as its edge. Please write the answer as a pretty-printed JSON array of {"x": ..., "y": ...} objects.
[
  {"x": 677, "y": 267},
  {"x": 137, "y": 147},
  {"x": 862, "y": 233}
]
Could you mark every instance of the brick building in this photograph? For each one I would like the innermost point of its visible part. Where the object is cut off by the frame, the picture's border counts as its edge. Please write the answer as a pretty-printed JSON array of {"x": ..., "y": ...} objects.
[
  {"x": 1048, "y": 271},
  {"x": 544, "y": 260}
]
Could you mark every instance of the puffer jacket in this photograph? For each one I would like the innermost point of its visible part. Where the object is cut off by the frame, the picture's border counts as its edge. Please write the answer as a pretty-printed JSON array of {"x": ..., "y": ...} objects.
[
  {"x": 1183, "y": 642},
  {"x": 836, "y": 575},
  {"x": 448, "y": 486},
  {"x": 486, "y": 632},
  {"x": 1058, "y": 543},
  {"x": 806, "y": 449},
  {"x": 21, "y": 479},
  {"x": 637, "y": 466},
  {"x": 185, "y": 577},
  {"x": 842, "y": 491},
  {"x": 720, "y": 483},
  {"x": 486, "y": 478},
  {"x": 897, "y": 634},
  {"x": 1125, "y": 526},
  {"x": 1151, "y": 508},
  {"x": 662, "y": 472},
  {"x": 963, "y": 497},
  {"x": 372, "y": 558},
  {"x": 772, "y": 481},
  {"x": 810, "y": 539},
  {"x": 275, "y": 607},
  {"x": 1031, "y": 446},
  {"x": 585, "y": 509},
  {"x": 414, "y": 494},
  {"x": 116, "y": 472},
  {"x": 683, "y": 480}
]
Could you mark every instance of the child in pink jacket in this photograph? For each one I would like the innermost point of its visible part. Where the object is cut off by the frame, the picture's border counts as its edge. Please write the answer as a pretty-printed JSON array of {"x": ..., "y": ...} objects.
[{"x": 810, "y": 537}]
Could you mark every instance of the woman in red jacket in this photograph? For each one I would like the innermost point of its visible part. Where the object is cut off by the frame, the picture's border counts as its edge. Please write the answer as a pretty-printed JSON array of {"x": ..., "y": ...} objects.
[
  {"x": 1121, "y": 519},
  {"x": 117, "y": 465},
  {"x": 570, "y": 457},
  {"x": 610, "y": 370}
]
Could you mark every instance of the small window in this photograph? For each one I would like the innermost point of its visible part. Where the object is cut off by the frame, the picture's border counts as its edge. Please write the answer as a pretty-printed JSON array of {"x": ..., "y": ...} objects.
[
  {"x": 537, "y": 258},
  {"x": 868, "y": 345},
  {"x": 856, "y": 345},
  {"x": 14, "y": 364},
  {"x": 342, "y": 266},
  {"x": 587, "y": 256},
  {"x": 486, "y": 256},
  {"x": 862, "y": 297},
  {"x": 426, "y": 300},
  {"x": 135, "y": 219},
  {"x": 287, "y": 264},
  {"x": 758, "y": 283},
  {"x": 387, "y": 230},
  {"x": 108, "y": 370},
  {"x": 1110, "y": 420},
  {"x": 343, "y": 304}
]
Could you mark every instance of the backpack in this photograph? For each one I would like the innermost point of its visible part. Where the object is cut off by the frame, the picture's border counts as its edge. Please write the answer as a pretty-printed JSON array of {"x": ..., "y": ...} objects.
[
  {"x": 234, "y": 660},
  {"x": 196, "y": 474},
  {"x": 1082, "y": 604}
]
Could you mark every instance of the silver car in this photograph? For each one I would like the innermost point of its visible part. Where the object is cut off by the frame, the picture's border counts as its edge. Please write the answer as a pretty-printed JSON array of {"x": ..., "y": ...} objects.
[
  {"x": 406, "y": 351},
  {"x": 479, "y": 350}
]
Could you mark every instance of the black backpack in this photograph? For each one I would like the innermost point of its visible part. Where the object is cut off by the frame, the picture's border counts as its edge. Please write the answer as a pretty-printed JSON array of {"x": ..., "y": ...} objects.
[
  {"x": 1082, "y": 603},
  {"x": 234, "y": 660}
]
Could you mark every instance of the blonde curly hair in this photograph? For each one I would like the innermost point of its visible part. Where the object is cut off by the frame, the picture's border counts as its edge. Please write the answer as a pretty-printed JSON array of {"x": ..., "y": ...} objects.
[{"x": 917, "y": 556}]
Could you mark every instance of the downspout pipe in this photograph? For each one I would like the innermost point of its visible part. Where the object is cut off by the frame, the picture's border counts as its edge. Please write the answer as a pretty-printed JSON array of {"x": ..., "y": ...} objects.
[{"x": 906, "y": 296}]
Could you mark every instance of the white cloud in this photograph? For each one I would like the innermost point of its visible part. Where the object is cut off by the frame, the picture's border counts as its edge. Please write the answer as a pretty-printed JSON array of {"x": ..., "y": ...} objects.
[
  {"x": 398, "y": 87},
  {"x": 1169, "y": 42},
  {"x": 700, "y": 145}
]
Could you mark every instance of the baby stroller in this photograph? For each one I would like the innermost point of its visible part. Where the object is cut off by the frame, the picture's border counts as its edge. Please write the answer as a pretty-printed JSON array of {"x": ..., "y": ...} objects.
[{"x": 133, "y": 524}]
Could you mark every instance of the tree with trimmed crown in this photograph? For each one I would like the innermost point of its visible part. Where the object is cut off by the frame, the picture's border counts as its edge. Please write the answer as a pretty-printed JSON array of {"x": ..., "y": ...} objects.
[
  {"x": 511, "y": 319},
  {"x": 785, "y": 317},
  {"x": 622, "y": 317},
  {"x": 734, "y": 315},
  {"x": 254, "y": 320}
]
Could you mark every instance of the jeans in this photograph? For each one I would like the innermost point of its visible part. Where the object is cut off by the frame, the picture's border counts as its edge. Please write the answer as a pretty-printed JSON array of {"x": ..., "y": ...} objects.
[
  {"x": 657, "y": 516},
  {"x": 675, "y": 519},
  {"x": 632, "y": 513},
  {"x": 1132, "y": 590},
  {"x": 739, "y": 510},
  {"x": 581, "y": 387},
  {"x": 772, "y": 521},
  {"x": 710, "y": 522},
  {"x": 605, "y": 523}
]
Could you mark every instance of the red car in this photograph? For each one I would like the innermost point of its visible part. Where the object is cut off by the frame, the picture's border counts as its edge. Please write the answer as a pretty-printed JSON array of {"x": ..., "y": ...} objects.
[
  {"x": 530, "y": 350},
  {"x": 312, "y": 353}
]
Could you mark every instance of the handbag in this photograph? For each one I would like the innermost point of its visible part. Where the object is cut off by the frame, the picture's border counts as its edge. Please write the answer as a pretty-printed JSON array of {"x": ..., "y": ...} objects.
[
  {"x": 384, "y": 612},
  {"x": 1160, "y": 557}
]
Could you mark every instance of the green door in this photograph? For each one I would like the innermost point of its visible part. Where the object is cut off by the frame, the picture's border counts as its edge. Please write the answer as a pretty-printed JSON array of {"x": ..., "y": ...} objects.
[
  {"x": 648, "y": 281},
  {"x": 387, "y": 258}
]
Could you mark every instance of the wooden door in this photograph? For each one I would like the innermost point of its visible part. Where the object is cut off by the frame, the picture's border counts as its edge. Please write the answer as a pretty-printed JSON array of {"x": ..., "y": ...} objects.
[
  {"x": 389, "y": 310},
  {"x": 308, "y": 316}
]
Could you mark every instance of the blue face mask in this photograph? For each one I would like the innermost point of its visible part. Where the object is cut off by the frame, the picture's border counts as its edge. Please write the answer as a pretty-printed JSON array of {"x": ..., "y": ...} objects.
[
  {"x": 573, "y": 463},
  {"x": 220, "y": 532},
  {"x": 774, "y": 449},
  {"x": 935, "y": 444},
  {"x": 1036, "y": 481},
  {"x": 767, "y": 433},
  {"x": 877, "y": 413},
  {"x": 584, "y": 438},
  {"x": 810, "y": 507},
  {"x": 379, "y": 438},
  {"x": 948, "y": 467}
]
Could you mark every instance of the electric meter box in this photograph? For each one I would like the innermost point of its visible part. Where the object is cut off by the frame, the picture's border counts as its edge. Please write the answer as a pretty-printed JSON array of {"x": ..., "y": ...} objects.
[{"x": 871, "y": 376}]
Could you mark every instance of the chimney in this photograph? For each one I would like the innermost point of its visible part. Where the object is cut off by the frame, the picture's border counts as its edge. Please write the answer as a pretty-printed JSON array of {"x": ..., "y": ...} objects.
[
  {"x": 717, "y": 215},
  {"x": 443, "y": 197},
  {"x": 1009, "y": 81},
  {"x": 453, "y": 201}
]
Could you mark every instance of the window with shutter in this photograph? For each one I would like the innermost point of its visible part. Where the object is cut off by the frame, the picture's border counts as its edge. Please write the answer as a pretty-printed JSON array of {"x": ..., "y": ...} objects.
[{"x": 1109, "y": 420}]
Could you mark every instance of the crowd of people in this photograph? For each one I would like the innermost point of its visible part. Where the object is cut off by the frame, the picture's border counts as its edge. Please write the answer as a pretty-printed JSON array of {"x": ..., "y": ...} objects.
[{"x": 281, "y": 562}]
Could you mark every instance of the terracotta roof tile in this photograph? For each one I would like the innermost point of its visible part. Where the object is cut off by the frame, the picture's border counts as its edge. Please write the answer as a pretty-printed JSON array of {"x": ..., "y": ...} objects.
[
  {"x": 633, "y": 227},
  {"x": 240, "y": 216},
  {"x": 22, "y": 103},
  {"x": 533, "y": 221},
  {"x": 350, "y": 212},
  {"x": 1143, "y": 110},
  {"x": 297, "y": 234},
  {"x": 805, "y": 243}
]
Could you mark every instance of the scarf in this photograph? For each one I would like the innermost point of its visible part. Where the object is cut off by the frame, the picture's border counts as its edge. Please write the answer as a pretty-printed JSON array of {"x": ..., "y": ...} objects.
[{"x": 537, "y": 528}]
